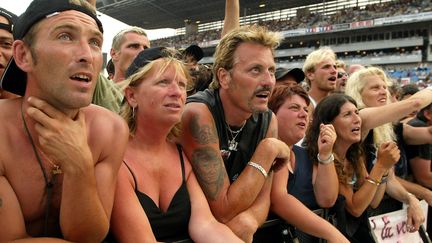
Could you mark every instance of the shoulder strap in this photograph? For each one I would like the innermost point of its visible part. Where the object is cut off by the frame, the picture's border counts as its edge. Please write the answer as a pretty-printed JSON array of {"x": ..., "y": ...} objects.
[
  {"x": 133, "y": 175},
  {"x": 181, "y": 160}
]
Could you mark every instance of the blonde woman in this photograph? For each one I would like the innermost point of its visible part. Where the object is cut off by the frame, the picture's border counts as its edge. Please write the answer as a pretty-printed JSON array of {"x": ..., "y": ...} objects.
[
  {"x": 158, "y": 197},
  {"x": 369, "y": 87}
]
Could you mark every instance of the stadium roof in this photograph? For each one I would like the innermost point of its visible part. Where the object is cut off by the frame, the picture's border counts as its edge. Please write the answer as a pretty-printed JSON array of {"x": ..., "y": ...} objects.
[{"x": 153, "y": 14}]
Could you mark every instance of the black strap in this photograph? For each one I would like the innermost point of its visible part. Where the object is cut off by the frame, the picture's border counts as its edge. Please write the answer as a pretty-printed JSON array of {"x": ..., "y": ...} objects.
[
  {"x": 133, "y": 176},
  {"x": 48, "y": 184},
  {"x": 179, "y": 148}
]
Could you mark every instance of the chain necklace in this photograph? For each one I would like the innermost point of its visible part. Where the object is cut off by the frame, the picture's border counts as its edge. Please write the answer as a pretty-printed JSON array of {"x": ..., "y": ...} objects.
[
  {"x": 232, "y": 143},
  {"x": 49, "y": 184}
]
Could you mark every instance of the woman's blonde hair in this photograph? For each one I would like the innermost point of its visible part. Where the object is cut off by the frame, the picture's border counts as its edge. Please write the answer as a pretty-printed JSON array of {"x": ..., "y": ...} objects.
[
  {"x": 354, "y": 88},
  {"x": 169, "y": 59}
]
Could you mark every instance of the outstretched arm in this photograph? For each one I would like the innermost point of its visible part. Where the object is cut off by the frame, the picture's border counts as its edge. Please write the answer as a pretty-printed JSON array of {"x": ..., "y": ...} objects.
[
  {"x": 376, "y": 116},
  {"x": 417, "y": 135}
]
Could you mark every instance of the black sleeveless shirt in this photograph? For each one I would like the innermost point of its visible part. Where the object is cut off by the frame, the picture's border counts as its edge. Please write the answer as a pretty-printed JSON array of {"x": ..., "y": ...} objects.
[
  {"x": 253, "y": 132},
  {"x": 171, "y": 225}
]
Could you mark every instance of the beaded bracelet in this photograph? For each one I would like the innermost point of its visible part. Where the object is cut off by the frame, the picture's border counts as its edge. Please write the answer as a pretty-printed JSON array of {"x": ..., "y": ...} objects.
[
  {"x": 259, "y": 168},
  {"x": 372, "y": 181}
]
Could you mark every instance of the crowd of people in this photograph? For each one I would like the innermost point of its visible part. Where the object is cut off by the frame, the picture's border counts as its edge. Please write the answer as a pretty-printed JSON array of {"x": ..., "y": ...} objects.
[
  {"x": 162, "y": 150},
  {"x": 311, "y": 20}
]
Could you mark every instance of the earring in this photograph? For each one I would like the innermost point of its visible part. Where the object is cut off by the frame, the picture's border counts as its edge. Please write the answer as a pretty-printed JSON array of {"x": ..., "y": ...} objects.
[{"x": 133, "y": 112}]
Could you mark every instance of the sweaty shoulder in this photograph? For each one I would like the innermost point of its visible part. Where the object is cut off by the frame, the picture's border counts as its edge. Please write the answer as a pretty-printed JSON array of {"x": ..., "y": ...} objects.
[{"x": 106, "y": 129}]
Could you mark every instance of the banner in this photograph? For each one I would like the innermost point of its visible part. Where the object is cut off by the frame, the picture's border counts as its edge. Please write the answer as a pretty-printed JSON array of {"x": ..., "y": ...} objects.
[{"x": 391, "y": 227}]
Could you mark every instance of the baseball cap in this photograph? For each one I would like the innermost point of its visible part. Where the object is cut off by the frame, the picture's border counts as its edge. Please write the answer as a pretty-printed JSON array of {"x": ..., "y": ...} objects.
[
  {"x": 14, "y": 79},
  {"x": 194, "y": 51},
  {"x": 297, "y": 73},
  {"x": 145, "y": 57},
  {"x": 11, "y": 18}
]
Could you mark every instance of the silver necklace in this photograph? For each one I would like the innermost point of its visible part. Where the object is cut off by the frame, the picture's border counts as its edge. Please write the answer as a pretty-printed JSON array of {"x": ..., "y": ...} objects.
[{"x": 232, "y": 143}]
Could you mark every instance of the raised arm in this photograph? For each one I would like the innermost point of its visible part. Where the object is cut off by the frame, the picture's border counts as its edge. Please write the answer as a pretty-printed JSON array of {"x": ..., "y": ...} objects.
[
  {"x": 371, "y": 191},
  {"x": 376, "y": 116},
  {"x": 324, "y": 176},
  {"x": 232, "y": 16},
  {"x": 201, "y": 144}
]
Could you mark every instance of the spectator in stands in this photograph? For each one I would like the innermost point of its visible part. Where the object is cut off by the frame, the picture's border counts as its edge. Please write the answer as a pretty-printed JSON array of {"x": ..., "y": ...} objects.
[
  {"x": 405, "y": 92},
  {"x": 228, "y": 131},
  {"x": 419, "y": 156},
  {"x": 58, "y": 175},
  {"x": 354, "y": 68},
  {"x": 342, "y": 77},
  {"x": 315, "y": 185},
  {"x": 110, "y": 69},
  {"x": 125, "y": 47},
  {"x": 320, "y": 70},
  {"x": 192, "y": 55},
  {"x": 7, "y": 20},
  {"x": 174, "y": 208},
  {"x": 359, "y": 187},
  {"x": 369, "y": 88},
  {"x": 289, "y": 77}
]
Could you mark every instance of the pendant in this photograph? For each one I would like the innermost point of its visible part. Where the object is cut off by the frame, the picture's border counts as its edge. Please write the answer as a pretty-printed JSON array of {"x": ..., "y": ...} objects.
[
  {"x": 232, "y": 145},
  {"x": 56, "y": 170},
  {"x": 225, "y": 154}
]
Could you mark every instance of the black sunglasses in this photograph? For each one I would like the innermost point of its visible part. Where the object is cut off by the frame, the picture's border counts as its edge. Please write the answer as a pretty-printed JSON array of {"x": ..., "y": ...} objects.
[{"x": 341, "y": 74}]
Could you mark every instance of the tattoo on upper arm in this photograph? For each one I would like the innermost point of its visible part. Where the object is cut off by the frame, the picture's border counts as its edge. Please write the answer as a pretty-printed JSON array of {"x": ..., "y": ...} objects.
[
  {"x": 209, "y": 169},
  {"x": 204, "y": 134}
]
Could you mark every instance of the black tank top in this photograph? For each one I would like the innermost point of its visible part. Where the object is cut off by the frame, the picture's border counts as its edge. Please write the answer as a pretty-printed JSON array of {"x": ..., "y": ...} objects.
[
  {"x": 171, "y": 225},
  {"x": 252, "y": 133}
]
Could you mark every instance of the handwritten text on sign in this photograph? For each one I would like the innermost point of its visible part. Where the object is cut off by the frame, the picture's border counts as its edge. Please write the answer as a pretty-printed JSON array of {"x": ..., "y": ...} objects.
[{"x": 392, "y": 227}]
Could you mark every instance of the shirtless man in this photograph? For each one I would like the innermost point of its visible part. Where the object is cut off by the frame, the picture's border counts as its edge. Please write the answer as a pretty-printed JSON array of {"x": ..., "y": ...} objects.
[{"x": 57, "y": 178}]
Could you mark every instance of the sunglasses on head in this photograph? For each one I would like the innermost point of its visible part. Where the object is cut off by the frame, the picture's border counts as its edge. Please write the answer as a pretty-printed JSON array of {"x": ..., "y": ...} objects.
[{"x": 341, "y": 74}]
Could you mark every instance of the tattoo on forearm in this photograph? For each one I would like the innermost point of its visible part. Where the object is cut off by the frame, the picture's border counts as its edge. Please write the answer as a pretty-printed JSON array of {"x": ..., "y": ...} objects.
[
  {"x": 209, "y": 170},
  {"x": 202, "y": 134}
]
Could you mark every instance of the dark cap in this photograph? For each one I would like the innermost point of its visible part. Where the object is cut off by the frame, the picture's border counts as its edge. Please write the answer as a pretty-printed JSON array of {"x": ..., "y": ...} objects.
[
  {"x": 195, "y": 51},
  {"x": 11, "y": 18},
  {"x": 14, "y": 79},
  {"x": 297, "y": 73},
  {"x": 144, "y": 58}
]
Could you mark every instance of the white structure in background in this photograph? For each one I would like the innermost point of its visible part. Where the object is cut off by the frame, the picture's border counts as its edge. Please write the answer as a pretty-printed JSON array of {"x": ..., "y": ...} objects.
[{"x": 111, "y": 25}]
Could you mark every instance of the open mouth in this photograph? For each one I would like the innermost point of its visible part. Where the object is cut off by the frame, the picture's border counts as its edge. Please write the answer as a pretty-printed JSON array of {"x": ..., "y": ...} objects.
[
  {"x": 356, "y": 130},
  {"x": 332, "y": 78},
  {"x": 172, "y": 105},
  {"x": 81, "y": 78},
  {"x": 301, "y": 124},
  {"x": 263, "y": 95}
]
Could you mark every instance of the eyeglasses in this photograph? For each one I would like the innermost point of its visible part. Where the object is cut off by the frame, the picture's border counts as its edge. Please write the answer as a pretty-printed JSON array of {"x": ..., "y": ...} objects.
[{"x": 341, "y": 74}]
